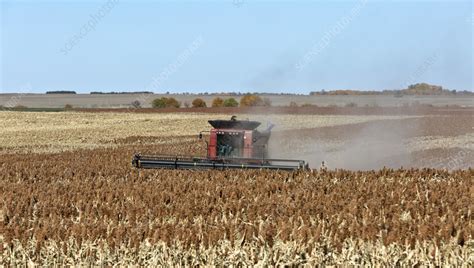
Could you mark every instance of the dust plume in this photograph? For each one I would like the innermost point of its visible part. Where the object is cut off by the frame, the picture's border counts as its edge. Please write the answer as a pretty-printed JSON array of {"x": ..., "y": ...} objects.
[{"x": 364, "y": 146}]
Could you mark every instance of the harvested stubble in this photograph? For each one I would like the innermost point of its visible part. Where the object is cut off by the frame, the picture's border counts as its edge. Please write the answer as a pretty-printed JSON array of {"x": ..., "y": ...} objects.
[
  {"x": 91, "y": 207},
  {"x": 26, "y": 132}
]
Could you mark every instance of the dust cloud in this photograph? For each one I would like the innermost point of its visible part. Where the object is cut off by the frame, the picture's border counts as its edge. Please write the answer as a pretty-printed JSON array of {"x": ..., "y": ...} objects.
[{"x": 364, "y": 146}]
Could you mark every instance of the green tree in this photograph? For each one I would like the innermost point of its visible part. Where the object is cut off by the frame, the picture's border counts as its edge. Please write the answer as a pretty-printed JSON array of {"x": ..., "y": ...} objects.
[
  {"x": 231, "y": 102},
  {"x": 159, "y": 103},
  {"x": 164, "y": 102}
]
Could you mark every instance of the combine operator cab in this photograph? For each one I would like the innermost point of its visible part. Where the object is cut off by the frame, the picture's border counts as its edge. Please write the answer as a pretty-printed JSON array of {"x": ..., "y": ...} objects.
[
  {"x": 237, "y": 139},
  {"x": 232, "y": 144}
]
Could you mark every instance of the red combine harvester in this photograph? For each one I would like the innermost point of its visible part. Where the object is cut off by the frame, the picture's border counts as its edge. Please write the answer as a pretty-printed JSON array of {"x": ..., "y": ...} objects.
[{"x": 232, "y": 144}]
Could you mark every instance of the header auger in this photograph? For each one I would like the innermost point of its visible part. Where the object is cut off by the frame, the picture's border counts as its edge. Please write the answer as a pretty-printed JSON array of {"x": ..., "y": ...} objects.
[{"x": 232, "y": 144}]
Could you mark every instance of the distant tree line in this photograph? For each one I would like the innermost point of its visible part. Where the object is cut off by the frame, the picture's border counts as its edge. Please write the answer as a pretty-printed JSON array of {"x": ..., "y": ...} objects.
[
  {"x": 61, "y": 92},
  {"x": 249, "y": 100},
  {"x": 415, "y": 89},
  {"x": 231, "y": 93},
  {"x": 122, "y": 92}
]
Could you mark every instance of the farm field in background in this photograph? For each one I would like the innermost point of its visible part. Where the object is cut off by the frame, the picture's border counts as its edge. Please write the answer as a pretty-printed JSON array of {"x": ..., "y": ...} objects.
[
  {"x": 71, "y": 196},
  {"x": 58, "y": 131},
  {"x": 125, "y": 100}
]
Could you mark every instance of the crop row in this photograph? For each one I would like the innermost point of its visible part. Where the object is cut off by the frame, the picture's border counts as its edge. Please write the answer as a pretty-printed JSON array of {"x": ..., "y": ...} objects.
[{"x": 95, "y": 196}]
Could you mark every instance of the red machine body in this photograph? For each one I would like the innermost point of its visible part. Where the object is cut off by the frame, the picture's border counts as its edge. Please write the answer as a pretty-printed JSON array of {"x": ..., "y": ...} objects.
[
  {"x": 242, "y": 143},
  {"x": 237, "y": 139}
]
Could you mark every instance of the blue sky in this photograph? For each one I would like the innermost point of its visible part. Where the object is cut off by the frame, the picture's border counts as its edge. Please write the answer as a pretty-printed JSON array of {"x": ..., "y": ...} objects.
[{"x": 235, "y": 45}]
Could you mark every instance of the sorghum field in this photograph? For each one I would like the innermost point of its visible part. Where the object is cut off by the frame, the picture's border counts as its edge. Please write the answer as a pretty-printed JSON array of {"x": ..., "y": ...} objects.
[{"x": 69, "y": 195}]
